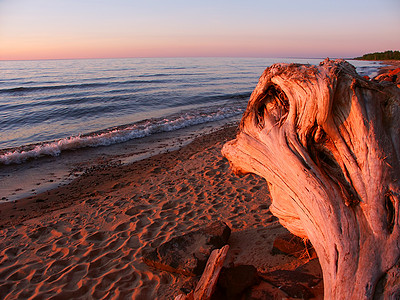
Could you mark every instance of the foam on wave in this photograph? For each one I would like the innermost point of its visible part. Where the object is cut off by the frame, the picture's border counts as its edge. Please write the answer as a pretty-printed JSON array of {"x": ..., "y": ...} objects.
[{"x": 118, "y": 134}]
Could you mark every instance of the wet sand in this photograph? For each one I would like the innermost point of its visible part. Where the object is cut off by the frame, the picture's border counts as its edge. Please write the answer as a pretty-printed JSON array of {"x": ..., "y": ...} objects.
[
  {"x": 85, "y": 240},
  {"x": 35, "y": 176}
]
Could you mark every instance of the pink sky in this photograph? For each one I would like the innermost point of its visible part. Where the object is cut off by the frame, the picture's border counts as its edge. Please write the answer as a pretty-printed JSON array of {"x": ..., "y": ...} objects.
[{"x": 47, "y": 29}]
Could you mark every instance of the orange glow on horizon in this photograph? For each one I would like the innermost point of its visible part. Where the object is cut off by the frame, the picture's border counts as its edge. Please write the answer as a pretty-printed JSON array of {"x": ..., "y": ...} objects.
[
  {"x": 170, "y": 47},
  {"x": 104, "y": 29}
]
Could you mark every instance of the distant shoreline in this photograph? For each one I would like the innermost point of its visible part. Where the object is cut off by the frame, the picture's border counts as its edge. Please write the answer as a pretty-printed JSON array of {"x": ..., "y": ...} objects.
[{"x": 381, "y": 56}]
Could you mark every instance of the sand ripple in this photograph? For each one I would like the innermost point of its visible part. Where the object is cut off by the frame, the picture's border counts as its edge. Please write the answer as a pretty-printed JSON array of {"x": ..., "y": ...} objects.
[{"x": 93, "y": 248}]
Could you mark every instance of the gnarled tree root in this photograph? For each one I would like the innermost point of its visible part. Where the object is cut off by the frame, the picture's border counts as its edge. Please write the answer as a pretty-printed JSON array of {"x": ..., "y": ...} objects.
[{"x": 328, "y": 143}]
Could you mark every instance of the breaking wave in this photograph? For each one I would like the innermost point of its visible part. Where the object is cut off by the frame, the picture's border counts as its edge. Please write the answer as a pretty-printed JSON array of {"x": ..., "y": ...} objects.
[{"x": 120, "y": 134}]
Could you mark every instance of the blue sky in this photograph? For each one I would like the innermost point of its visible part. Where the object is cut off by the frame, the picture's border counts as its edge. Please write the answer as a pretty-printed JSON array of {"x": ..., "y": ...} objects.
[{"x": 38, "y": 29}]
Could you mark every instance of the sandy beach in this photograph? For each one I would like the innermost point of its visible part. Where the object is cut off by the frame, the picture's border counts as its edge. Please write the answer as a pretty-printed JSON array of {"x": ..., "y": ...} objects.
[
  {"x": 85, "y": 240},
  {"x": 172, "y": 150}
]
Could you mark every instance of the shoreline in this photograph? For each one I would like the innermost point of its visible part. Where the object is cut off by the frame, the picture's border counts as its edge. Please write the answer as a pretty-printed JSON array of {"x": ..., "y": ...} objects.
[
  {"x": 112, "y": 171},
  {"x": 86, "y": 239},
  {"x": 45, "y": 173},
  {"x": 389, "y": 65}
]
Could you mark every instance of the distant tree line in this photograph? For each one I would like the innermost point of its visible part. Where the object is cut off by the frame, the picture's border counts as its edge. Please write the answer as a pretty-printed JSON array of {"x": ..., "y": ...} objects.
[{"x": 387, "y": 55}]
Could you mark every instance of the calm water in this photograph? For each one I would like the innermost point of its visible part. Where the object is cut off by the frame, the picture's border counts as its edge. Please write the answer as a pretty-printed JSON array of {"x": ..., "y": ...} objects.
[{"x": 50, "y": 106}]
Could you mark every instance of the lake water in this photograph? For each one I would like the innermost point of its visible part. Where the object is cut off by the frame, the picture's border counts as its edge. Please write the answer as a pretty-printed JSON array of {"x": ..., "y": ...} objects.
[{"x": 48, "y": 108}]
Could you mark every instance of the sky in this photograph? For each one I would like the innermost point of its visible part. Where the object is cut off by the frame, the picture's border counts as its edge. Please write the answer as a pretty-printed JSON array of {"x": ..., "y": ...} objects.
[{"x": 66, "y": 29}]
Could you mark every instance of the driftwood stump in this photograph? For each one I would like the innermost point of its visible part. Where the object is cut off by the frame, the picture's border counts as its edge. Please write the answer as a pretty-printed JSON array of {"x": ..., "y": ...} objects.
[{"x": 328, "y": 143}]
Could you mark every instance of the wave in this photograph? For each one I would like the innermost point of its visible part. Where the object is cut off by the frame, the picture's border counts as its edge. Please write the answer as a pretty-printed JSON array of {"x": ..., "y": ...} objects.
[
  {"x": 22, "y": 89},
  {"x": 49, "y": 87},
  {"x": 370, "y": 71},
  {"x": 120, "y": 134},
  {"x": 172, "y": 74}
]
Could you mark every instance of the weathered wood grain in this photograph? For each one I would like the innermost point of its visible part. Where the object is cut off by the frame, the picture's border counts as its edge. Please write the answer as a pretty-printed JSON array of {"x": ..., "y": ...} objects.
[{"x": 328, "y": 143}]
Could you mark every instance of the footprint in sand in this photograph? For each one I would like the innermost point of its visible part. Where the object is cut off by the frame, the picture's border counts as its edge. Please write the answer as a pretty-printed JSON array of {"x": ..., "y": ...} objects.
[
  {"x": 77, "y": 235},
  {"x": 21, "y": 274},
  {"x": 136, "y": 210},
  {"x": 60, "y": 253},
  {"x": 37, "y": 276},
  {"x": 45, "y": 250},
  {"x": 151, "y": 231},
  {"x": 62, "y": 241},
  {"x": 133, "y": 242},
  {"x": 255, "y": 188},
  {"x": 100, "y": 266},
  {"x": 98, "y": 237},
  {"x": 56, "y": 267},
  {"x": 125, "y": 278},
  {"x": 74, "y": 277},
  {"x": 39, "y": 232},
  {"x": 143, "y": 221},
  {"x": 123, "y": 226},
  {"x": 11, "y": 252},
  {"x": 114, "y": 244},
  {"x": 171, "y": 190}
]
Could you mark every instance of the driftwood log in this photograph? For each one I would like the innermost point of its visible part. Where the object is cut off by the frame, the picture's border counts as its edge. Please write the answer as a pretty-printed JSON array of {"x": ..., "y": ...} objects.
[
  {"x": 327, "y": 141},
  {"x": 208, "y": 281}
]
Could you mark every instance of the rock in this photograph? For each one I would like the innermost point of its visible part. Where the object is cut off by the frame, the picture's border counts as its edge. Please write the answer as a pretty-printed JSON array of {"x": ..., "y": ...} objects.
[
  {"x": 290, "y": 244},
  {"x": 265, "y": 291},
  {"x": 188, "y": 254},
  {"x": 235, "y": 280},
  {"x": 294, "y": 283},
  {"x": 390, "y": 76},
  {"x": 394, "y": 72},
  {"x": 271, "y": 219}
]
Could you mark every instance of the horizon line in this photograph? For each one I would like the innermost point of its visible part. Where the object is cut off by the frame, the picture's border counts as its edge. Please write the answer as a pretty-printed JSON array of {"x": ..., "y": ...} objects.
[{"x": 194, "y": 56}]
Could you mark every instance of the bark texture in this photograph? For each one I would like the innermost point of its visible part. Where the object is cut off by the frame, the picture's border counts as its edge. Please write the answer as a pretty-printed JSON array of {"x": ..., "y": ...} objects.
[{"x": 328, "y": 143}]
